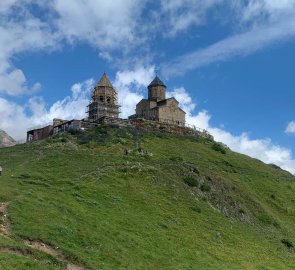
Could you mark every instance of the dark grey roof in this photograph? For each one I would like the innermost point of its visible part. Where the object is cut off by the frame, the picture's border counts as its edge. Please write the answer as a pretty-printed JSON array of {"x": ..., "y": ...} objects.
[
  {"x": 157, "y": 82},
  {"x": 164, "y": 102}
]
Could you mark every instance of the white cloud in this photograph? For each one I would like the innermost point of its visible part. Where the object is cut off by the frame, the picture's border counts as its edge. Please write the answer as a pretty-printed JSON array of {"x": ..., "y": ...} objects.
[
  {"x": 20, "y": 33},
  {"x": 261, "y": 23},
  {"x": 237, "y": 45},
  {"x": 105, "y": 24},
  {"x": 14, "y": 83},
  {"x": 106, "y": 56},
  {"x": 183, "y": 97},
  {"x": 73, "y": 106},
  {"x": 123, "y": 27},
  {"x": 131, "y": 85},
  {"x": 266, "y": 10},
  {"x": 15, "y": 120},
  {"x": 290, "y": 129},
  {"x": 5, "y": 5},
  {"x": 12, "y": 119},
  {"x": 178, "y": 15},
  {"x": 263, "y": 149}
]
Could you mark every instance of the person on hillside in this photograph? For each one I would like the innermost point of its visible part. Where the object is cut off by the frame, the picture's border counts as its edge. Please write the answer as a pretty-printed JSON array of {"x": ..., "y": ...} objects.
[{"x": 0, "y": 170}]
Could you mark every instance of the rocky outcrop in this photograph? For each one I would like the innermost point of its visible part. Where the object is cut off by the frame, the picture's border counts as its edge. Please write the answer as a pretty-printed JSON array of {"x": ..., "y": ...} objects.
[{"x": 5, "y": 139}]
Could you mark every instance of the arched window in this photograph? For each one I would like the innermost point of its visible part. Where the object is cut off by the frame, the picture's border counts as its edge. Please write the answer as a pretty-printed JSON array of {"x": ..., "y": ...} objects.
[{"x": 101, "y": 98}]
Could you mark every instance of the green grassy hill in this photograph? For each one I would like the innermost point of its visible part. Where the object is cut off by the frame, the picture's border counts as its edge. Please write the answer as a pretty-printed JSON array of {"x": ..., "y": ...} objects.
[{"x": 120, "y": 199}]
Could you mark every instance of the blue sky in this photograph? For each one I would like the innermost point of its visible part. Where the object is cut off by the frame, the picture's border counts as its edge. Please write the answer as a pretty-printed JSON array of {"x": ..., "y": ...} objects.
[{"x": 230, "y": 64}]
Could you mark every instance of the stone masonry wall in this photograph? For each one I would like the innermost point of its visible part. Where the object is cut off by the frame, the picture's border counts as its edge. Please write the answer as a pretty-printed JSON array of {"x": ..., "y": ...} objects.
[{"x": 150, "y": 126}]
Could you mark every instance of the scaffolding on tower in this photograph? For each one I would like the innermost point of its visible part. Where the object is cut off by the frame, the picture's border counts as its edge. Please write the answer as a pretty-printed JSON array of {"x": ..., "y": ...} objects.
[{"x": 104, "y": 101}]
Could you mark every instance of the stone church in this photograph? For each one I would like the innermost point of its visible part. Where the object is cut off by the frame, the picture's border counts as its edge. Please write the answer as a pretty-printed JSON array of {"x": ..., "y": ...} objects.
[{"x": 159, "y": 108}]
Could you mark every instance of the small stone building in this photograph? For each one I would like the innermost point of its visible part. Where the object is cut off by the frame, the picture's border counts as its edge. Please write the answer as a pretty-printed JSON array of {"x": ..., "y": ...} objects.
[
  {"x": 158, "y": 108},
  {"x": 103, "y": 101},
  {"x": 61, "y": 126},
  {"x": 46, "y": 131},
  {"x": 39, "y": 133}
]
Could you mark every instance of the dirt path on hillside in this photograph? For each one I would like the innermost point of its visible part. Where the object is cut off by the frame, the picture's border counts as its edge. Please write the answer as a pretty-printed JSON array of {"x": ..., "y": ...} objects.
[
  {"x": 37, "y": 245},
  {"x": 4, "y": 222},
  {"x": 12, "y": 251},
  {"x": 53, "y": 252}
]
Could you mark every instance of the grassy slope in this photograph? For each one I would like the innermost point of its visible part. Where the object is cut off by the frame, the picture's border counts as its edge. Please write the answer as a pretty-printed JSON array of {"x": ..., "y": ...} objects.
[{"x": 108, "y": 210}]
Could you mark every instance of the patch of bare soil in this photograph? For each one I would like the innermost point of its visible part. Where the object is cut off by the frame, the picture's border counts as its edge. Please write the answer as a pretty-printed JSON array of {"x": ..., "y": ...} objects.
[
  {"x": 12, "y": 251},
  {"x": 4, "y": 222},
  {"x": 53, "y": 252},
  {"x": 4, "y": 231},
  {"x": 74, "y": 267},
  {"x": 43, "y": 247}
]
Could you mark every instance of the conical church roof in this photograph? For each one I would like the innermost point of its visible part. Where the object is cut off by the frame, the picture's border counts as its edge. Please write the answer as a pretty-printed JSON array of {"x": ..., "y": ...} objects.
[
  {"x": 104, "y": 81},
  {"x": 156, "y": 82}
]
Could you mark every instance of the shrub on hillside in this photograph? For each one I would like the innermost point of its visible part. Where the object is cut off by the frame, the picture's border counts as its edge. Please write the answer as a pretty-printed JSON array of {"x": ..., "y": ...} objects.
[
  {"x": 205, "y": 187},
  {"x": 191, "y": 181},
  {"x": 287, "y": 243},
  {"x": 268, "y": 220},
  {"x": 176, "y": 159},
  {"x": 265, "y": 219},
  {"x": 196, "y": 209},
  {"x": 73, "y": 131},
  {"x": 99, "y": 134},
  {"x": 219, "y": 147}
]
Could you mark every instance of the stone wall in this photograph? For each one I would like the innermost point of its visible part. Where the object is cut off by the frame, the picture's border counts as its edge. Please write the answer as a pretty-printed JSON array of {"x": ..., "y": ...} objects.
[
  {"x": 147, "y": 109},
  {"x": 157, "y": 93},
  {"x": 40, "y": 134},
  {"x": 171, "y": 114},
  {"x": 150, "y": 126}
]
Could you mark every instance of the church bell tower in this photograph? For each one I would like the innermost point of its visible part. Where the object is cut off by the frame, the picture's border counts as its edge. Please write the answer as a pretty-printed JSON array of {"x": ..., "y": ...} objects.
[
  {"x": 103, "y": 101},
  {"x": 157, "y": 90}
]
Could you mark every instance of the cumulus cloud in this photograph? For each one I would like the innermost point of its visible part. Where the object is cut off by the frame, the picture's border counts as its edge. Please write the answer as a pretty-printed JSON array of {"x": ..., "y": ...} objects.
[
  {"x": 263, "y": 149},
  {"x": 73, "y": 106},
  {"x": 122, "y": 27},
  {"x": 104, "y": 24},
  {"x": 290, "y": 129},
  {"x": 15, "y": 119},
  {"x": 20, "y": 33},
  {"x": 183, "y": 97},
  {"x": 14, "y": 83},
  {"x": 5, "y": 5},
  {"x": 131, "y": 85}
]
